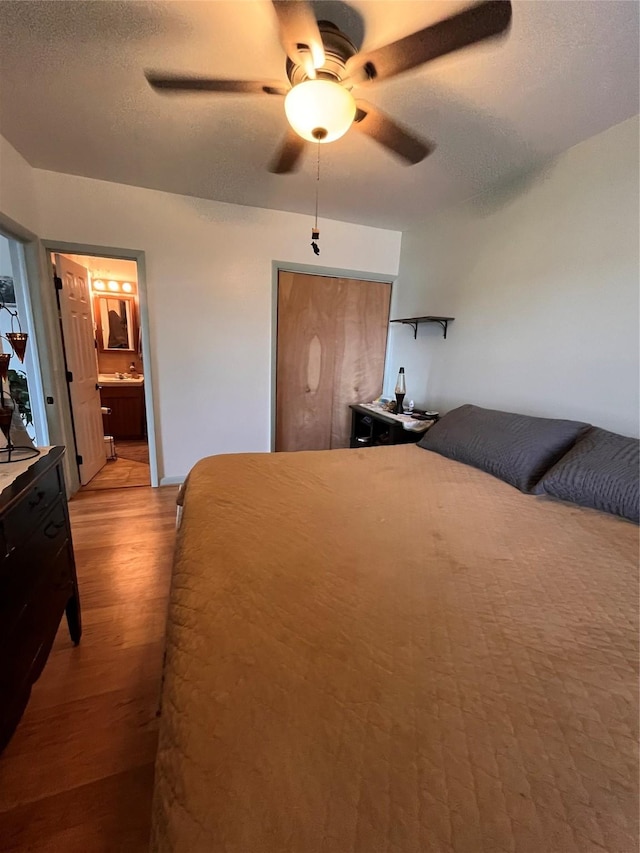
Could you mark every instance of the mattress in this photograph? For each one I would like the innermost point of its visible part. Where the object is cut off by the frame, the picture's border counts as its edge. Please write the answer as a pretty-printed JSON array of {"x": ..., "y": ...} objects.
[{"x": 385, "y": 650}]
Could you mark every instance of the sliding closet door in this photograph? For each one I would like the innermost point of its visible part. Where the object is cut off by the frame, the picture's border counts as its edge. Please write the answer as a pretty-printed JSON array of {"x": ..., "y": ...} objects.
[
  {"x": 305, "y": 361},
  {"x": 362, "y": 325},
  {"x": 332, "y": 335}
]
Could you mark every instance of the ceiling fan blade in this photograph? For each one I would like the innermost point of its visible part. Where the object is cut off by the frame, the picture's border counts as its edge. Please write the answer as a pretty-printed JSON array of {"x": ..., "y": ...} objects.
[
  {"x": 389, "y": 133},
  {"x": 288, "y": 157},
  {"x": 299, "y": 34},
  {"x": 169, "y": 83},
  {"x": 482, "y": 21}
]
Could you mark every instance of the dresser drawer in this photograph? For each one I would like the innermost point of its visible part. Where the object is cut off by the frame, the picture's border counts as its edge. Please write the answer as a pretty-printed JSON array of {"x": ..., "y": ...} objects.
[
  {"x": 24, "y": 649},
  {"x": 19, "y": 522},
  {"x": 23, "y": 571}
]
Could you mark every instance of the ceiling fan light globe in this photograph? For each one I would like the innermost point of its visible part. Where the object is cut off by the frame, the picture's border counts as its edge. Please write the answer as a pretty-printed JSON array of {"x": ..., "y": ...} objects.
[{"x": 320, "y": 105}]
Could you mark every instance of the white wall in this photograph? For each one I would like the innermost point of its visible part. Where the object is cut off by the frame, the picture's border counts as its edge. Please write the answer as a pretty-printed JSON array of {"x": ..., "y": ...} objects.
[
  {"x": 17, "y": 188},
  {"x": 209, "y": 280},
  {"x": 542, "y": 278},
  {"x": 6, "y": 269}
]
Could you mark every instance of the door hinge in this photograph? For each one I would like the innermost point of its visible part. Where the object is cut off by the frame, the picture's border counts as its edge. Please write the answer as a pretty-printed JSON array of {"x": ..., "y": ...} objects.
[
  {"x": 79, "y": 459},
  {"x": 58, "y": 282},
  {"x": 69, "y": 376}
]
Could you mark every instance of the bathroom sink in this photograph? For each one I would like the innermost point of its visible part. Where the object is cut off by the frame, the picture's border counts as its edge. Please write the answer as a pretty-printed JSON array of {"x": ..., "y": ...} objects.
[{"x": 119, "y": 379}]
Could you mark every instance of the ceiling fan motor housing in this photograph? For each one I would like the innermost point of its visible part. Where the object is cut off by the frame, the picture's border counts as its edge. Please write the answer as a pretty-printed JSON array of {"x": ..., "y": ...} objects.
[{"x": 338, "y": 48}]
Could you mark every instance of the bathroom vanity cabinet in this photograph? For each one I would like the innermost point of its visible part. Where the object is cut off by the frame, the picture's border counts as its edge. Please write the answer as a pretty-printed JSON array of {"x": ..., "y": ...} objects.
[{"x": 127, "y": 419}]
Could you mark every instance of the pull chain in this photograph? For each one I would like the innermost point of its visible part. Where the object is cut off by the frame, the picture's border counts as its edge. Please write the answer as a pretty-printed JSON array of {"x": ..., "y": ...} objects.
[
  {"x": 317, "y": 185},
  {"x": 315, "y": 233}
]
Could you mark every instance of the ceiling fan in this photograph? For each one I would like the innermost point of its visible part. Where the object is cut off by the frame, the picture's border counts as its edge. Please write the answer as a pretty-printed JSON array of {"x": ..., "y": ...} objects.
[{"x": 323, "y": 66}]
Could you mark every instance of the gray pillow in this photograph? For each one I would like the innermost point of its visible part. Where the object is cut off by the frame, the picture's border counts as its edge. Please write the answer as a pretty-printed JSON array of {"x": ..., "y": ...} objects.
[
  {"x": 602, "y": 471},
  {"x": 518, "y": 449}
]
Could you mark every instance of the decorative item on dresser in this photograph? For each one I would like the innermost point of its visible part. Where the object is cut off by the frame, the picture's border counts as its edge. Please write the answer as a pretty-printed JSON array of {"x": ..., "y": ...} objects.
[{"x": 37, "y": 578}]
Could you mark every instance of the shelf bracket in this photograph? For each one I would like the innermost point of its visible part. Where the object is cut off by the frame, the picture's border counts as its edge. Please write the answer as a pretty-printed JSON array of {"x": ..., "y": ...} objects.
[
  {"x": 414, "y": 326},
  {"x": 444, "y": 324}
]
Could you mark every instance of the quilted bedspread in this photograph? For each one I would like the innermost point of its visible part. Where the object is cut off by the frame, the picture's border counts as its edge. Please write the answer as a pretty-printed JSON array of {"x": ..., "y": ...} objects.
[{"x": 382, "y": 650}]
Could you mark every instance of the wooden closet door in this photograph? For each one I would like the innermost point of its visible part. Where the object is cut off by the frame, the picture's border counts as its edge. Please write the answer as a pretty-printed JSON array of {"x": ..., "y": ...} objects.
[
  {"x": 332, "y": 335},
  {"x": 305, "y": 361},
  {"x": 362, "y": 325}
]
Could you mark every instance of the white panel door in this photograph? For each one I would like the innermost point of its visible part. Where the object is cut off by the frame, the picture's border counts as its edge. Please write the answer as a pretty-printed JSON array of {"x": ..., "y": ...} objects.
[{"x": 80, "y": 354}]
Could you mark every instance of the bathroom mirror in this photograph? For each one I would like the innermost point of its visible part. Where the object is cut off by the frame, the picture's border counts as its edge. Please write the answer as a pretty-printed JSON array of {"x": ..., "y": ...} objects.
[{"x": 116, "y": 322}]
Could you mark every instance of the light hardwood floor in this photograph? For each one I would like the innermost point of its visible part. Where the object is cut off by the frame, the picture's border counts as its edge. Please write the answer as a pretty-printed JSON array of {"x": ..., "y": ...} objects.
[
  {"x": 130, "y": 468},
  {"x": 78, "y": 773},
  {"x": 120, "y": 473}
]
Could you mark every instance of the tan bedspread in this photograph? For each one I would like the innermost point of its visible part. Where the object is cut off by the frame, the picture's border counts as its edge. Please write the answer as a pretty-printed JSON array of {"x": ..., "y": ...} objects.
[{"x": 383, "y": 650}]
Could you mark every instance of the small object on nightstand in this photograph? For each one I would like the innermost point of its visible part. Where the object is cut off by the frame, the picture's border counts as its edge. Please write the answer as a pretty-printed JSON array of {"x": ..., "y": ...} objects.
[{"x": 401, "y": 390}]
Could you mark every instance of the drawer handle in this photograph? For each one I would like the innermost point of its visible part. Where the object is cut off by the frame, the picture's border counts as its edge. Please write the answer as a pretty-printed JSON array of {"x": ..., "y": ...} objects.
[
  {"x": 39, "y": 496},
  {"x": 54, "y": 527}
]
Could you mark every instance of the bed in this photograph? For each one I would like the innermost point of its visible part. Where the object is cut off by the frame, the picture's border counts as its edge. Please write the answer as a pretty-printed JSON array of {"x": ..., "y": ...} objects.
[{"x": 387, "y": 649}]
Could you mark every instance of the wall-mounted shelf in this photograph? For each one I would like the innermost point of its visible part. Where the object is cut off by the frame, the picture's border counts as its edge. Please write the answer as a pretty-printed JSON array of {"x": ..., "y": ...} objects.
[{"x": 414, "y": 322}]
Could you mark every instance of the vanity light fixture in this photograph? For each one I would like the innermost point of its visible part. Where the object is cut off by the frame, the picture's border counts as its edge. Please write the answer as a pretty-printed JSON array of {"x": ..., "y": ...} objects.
[{"x": 113, "y": 286}]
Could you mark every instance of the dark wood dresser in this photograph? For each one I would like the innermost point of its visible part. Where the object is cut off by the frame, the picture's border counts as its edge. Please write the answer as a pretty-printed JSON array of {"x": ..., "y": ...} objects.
[{"x": 37, "y": 579}]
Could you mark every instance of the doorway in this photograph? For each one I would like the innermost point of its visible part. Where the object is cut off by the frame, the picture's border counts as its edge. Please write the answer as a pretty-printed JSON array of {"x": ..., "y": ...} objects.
[
  {"x": 331, "y": 347},
  {"x": 20, "y": 377},
  {"x": 99, "y": 301}
]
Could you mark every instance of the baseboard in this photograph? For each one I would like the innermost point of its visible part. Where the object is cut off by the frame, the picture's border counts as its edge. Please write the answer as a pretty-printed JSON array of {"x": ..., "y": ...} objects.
[{"x": 172, "y": 481}]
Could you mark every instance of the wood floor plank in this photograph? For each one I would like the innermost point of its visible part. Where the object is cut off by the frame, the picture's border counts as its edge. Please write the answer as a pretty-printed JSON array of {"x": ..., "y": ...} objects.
[
  {"x": 127, "y": 624},
  {"x": 93, "y": 671},
  {"x": 77, "y": 775},
  {"x": 79, "y": 742},
  {"x": 121, "y": 473},
  {"x": 96, "y": 817}
]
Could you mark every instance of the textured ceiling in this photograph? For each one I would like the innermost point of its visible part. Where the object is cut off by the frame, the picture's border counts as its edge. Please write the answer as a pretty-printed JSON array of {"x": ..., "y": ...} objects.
[{"x": 73, "y": 99}]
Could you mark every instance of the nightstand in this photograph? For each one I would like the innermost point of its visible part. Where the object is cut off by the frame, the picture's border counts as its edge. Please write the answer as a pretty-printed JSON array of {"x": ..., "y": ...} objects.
[{"x": 371, "y": 428}]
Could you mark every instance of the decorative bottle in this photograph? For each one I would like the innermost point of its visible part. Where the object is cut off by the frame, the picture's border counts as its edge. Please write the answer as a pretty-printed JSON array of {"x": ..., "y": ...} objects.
[{"x": 401, "y": 390}]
